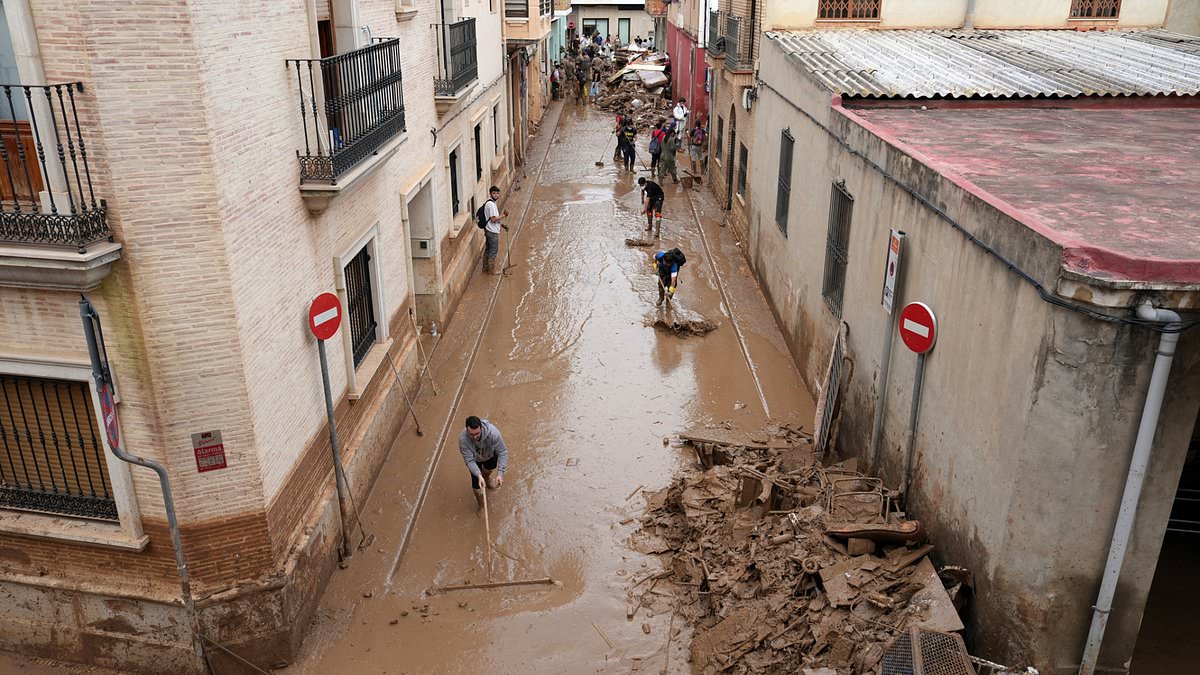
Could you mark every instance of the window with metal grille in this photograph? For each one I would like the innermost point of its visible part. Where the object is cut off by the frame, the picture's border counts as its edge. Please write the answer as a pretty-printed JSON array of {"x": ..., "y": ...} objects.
[
  {"x": 51, "y": 450},
  {"x": 848, "y": 10},
  {"x": 454, "y": 180},
  {"x": 1095, "y": 9},
  {"x": 360, "y": 300},
  {"x": 516, "y": 8},
  {"x": 479, "y": 152},
  {"x": 783, "y": 197},
  {"x": 837, "y": 247},
  {"x": 743, "y": 158},
  {"x": 720, "y": 147},
  {"x": 496, "y": 128}
]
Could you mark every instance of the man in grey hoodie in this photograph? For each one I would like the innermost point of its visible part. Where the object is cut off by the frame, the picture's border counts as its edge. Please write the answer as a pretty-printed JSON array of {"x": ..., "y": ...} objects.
[{"x": 485, "y": 454}]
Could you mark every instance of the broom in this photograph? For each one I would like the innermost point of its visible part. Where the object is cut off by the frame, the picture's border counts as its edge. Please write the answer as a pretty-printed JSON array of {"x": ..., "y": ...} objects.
[{"x": 610, "y": 137}]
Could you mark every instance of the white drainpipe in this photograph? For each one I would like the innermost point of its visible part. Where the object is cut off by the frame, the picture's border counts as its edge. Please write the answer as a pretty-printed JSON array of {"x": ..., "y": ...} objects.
[
  {"x": 1133, "y": 482},
  {"x": 969, "y": 22}
]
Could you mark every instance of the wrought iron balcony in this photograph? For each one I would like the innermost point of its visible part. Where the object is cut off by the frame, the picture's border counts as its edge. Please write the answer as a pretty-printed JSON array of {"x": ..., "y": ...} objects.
[
  {"x": 350, "y": 105},
  {"x": 46, "y": 194},
  {"x": 458, "y": 64},
  {"x": 738, "y": 45},
  {"x": 716, "y": 33}
]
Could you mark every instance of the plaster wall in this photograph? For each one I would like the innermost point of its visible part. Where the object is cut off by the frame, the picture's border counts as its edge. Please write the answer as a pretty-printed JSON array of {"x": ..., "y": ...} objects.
[
  {"x": 1029, "y": 412},
  {"x": 1183, "y": 16},
  {"x": 640, "y": 23}
]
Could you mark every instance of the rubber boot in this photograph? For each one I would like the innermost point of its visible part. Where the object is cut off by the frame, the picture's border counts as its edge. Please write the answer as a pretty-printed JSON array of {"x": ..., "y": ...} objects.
[
  {"x": 487, "y": 265},
  {"x": 658, "y": 226},
  {"x": 478, "y": 499}
]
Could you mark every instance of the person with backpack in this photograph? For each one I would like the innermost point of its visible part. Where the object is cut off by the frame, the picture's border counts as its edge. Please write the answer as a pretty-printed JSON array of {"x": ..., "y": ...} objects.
[
  {"x": 696, "y": 141},
  {"x": 657, "y": 136},
  {"x": 628, "y": 137},
  {"x": 666, "y": 267},
  {"x": 652, "y": 200},
  {"x": 488, "y": 218}
]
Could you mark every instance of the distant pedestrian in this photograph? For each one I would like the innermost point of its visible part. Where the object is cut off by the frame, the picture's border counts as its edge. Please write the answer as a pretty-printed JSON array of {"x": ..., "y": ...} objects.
[
  {"x": 594, "y": 92},
  {"x": 556, "y": 83},
  {"x": 491, "y": 230},
  {"x": 483, "y": 450},
  {"x": 657, "y": 136},
  {"x": 680, "y": 113},
  {"x": 628, "y": 137},
  {"x": 696, "y": 146},
  {"x": 666, "y": 267},
  {"x": 666, "y": 163},
  {"x": 652, "y": 201}
]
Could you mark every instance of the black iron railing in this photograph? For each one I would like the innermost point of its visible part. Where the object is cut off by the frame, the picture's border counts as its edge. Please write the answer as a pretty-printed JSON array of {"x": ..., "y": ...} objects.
[
  {"x": 51, "y": 455},
  {"x": 458, "y": 60},
  {"x": 738, "y": 42},
  {"x": 716, "y": 33},
  {"x": 46, "y": 193},
  {"x": 516, "y": 9},
  {"x": 350, "y": 105}
]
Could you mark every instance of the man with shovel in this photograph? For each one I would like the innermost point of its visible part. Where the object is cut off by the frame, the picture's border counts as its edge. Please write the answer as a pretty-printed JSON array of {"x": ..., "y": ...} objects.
[
  {"x": 485, "y": 454},
  {"x": 666, "y": 267}
]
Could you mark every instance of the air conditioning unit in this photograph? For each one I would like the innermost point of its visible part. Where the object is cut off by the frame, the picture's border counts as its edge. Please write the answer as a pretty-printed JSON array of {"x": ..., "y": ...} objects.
[{"x": 421, "y": 248}]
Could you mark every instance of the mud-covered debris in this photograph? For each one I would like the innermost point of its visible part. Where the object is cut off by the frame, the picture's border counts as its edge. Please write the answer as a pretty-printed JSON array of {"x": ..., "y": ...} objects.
[
  {"x": 641, "y": 243},
  {"x": 753, "y": 543},
  {"x": 680, "y": 326}
]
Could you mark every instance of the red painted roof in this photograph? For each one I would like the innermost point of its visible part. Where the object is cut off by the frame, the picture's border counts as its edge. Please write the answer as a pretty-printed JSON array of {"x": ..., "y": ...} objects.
[{"x": 1117, "y": 187}]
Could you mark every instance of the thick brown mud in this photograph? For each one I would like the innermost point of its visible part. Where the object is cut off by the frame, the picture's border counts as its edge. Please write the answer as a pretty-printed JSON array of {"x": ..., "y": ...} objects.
[{"x": 584, "y": 391}]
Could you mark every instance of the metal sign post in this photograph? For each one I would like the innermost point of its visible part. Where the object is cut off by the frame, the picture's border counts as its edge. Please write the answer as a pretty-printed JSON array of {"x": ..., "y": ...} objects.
[
  {"x": 891, "y": 277},
  {"x": 918, "y": 330},
  {"x": 324, "y": 317},
  {"x": 94, "y": 335}
]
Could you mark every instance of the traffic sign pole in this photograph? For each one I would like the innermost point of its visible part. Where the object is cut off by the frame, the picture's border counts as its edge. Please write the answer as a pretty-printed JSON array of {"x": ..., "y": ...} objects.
[
  {"x": 918, "y": 380},
  {"x": 324, "y": 318},
  {"x": 919, "y": 331},
  {"x": 891, "y": 293}
]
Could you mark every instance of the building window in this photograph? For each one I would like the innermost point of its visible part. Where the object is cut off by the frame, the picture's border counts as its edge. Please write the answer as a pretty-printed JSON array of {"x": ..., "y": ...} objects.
[
  {"x": 516, "y": 9},
  {"x": 848, "y": 10},
  {"x": 545, "y": 7},
  {"x": 743, "y": 158},
  {"x": 783, "y": 197},
  {"x": 51, "y": 452},
  {"x": 360, "y": 301},
  {"x": 454, "y": 204},
  {"x": 1095, "y": 9},
  {"x": 837, "y": 247},
  {"x": 496, "y": 128},
  {"x": 720, "y": 149},
  {"x": 479, "y": 152}
]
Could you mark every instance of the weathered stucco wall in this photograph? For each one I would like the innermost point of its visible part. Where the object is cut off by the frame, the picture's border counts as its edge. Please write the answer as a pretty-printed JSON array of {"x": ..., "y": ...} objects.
[{"x": 1029, "y": 411}]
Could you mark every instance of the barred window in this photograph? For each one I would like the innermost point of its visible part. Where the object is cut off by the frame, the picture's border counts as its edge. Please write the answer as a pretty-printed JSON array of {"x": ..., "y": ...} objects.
[
  {"x": 516, "y": 8},
  {"x": 51, "y": 450},
  {"x": 1095, "y": 9},
  {"x": 783, "y": 197},
  {"x": 455, "y": 201},
  {"x": 848, "y": 10},
  {"x": 837, "y": 247},
  {"x": 743, "y": 158},
  {"x": 720, "y": 147},
  {"x": 479, "y": 151},
  {"x": 360, "y": 301}
]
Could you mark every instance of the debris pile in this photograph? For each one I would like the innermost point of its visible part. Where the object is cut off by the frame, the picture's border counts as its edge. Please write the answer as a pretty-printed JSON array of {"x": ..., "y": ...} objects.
[
  {"x": 684, "y": 323},
  {"x": 781, "y": 564},
  {"x": 644, "y": 107},
  {"x": 640, "y": 243}
]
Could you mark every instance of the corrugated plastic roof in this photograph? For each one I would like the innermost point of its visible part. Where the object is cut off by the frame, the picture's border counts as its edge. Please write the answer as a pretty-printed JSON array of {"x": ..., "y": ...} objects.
[{"x": 997, "y": 64}]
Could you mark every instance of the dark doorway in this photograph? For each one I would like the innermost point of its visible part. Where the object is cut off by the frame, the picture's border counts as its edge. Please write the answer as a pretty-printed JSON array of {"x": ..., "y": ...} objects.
[{"x": 1167, "y": 639}]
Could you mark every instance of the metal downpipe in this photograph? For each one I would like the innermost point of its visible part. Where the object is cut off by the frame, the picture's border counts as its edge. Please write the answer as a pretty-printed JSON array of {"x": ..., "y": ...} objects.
[{"x": 1133, "y": 482}]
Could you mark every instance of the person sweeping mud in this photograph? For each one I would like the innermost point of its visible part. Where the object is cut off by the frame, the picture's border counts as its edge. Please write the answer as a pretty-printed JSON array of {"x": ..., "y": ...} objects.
[
  {"x": 485, "y": 454},
  {"x": 652, "y": 201},
  {"x": 666, "y": 266}
]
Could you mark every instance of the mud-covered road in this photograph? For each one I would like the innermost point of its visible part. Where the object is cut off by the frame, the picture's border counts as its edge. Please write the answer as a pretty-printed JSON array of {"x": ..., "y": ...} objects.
[{"x": 584, "y": 391}]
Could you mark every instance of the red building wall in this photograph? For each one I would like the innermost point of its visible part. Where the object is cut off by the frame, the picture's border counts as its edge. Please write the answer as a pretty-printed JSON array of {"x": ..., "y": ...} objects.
[{"x": 688, "y": 71}]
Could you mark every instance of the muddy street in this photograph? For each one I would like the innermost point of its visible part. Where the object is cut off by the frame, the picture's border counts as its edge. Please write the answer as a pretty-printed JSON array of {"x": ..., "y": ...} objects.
[{"x": 561, "y": 354}]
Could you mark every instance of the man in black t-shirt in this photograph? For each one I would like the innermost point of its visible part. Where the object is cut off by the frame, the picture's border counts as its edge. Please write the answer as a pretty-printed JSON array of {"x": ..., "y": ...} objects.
[{"x": 652, "y": 199}]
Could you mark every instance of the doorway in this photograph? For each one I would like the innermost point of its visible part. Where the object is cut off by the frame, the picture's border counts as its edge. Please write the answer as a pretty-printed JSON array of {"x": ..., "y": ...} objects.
[
  {"x": 1166, "y": 641},
  {"x": 623, "y": 28}
]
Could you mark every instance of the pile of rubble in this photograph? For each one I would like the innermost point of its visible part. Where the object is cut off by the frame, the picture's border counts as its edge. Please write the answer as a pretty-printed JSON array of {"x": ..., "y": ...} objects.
[
  {"x": 781, "y": 564},
  {"x": 631, "y": 97}
]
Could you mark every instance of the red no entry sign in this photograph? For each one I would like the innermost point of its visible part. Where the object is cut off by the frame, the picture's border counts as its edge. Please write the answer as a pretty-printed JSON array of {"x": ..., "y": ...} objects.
[
  {"x": 324, "y": 316},
  {"x": 108, "y": 411},
  {"x": 918, "y": 327}
]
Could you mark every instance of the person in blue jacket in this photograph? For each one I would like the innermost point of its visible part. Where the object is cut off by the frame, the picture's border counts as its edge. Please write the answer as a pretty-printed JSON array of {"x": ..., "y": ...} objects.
[{"x": 666, "y": 266}]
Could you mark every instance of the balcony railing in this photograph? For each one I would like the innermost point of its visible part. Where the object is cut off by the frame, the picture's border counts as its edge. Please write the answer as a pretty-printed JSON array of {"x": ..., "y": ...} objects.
[
  {"x": 516, "y": 9},
  {"x": 46, "y": 194},
  {"x": 716, "y": 33},
  {"x": 350, "y": 105},
  {"x": 738, "y": 44},
  {"x": 458, "y": 58}
]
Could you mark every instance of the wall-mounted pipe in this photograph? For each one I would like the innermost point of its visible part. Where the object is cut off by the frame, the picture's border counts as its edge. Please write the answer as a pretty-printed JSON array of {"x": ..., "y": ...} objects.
[
  {"x": 1134, "y": 481},
  {"x": 969, "y": 21}
]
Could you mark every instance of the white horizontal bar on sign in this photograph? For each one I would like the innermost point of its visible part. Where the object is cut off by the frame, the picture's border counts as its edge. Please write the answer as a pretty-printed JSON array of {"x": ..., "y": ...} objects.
[
  {"x": 918, "y": 328},
  {"x": 326, "y": 316}
]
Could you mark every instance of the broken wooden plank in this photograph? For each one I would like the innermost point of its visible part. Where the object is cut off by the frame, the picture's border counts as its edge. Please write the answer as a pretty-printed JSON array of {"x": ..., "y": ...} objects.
[
  {"x": 911, "y": 557},
  {"x": 896, "y": 533},
  {"x": 496, "y": 584},
  {"x": 716, "y": 440},
  {"x": 937, "y": 611}
]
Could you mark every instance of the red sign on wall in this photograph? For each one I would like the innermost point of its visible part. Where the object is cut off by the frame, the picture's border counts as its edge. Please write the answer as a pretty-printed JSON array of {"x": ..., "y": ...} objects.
[{"x": 209, "y": 449}]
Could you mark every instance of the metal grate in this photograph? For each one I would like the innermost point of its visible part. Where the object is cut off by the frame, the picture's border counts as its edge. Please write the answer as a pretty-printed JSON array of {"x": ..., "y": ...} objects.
[
  {"x": 361, "y": 305},
  {"x": 848, "y": 10},
  {"x": 783, "y": 197},
  {"x": 1095, "y": 9},
  {"x": 51, "y": 454},
  {"x": 458, "y": 61},
  {"x": 923, "y": 652},
  {"x": 516, "y": 8},
  {"x": 837, "y": 247},
  {"x": 743, "y": 159}
]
